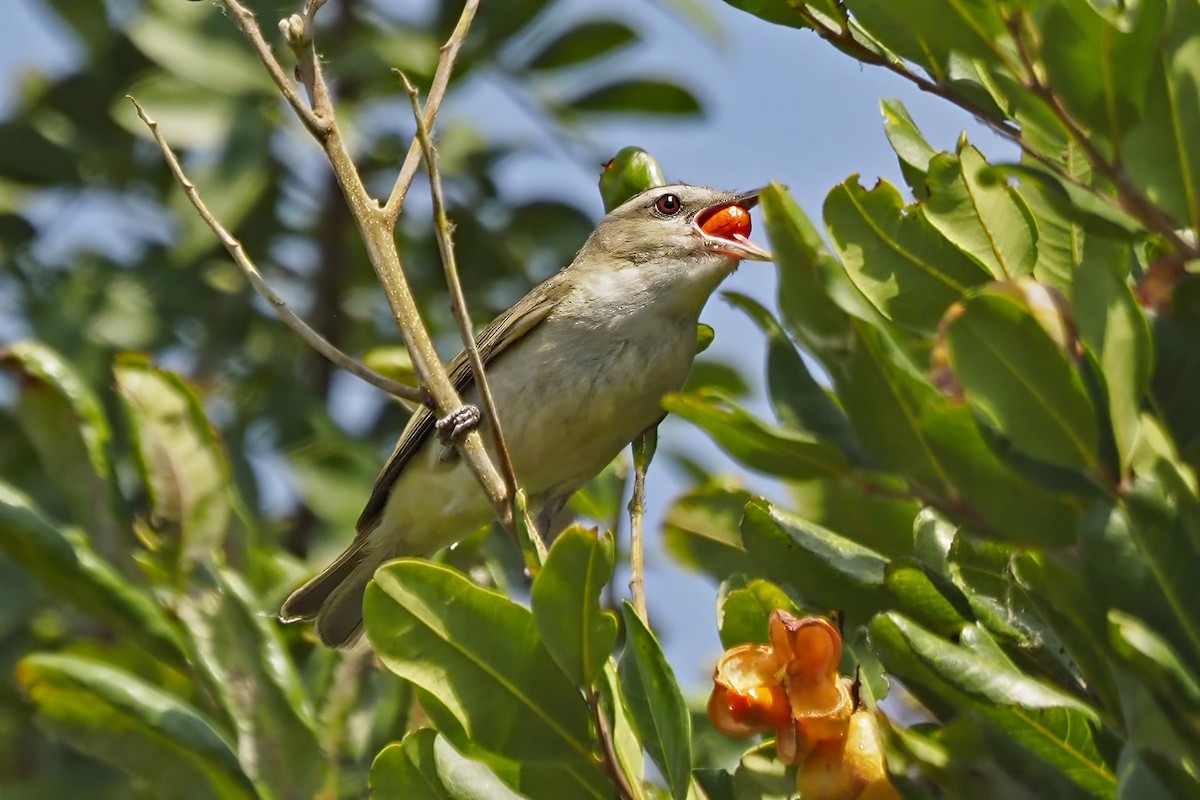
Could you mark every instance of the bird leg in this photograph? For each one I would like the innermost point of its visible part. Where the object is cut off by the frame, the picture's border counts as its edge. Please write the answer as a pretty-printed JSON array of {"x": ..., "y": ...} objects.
[{"x": 458, "y": 423}]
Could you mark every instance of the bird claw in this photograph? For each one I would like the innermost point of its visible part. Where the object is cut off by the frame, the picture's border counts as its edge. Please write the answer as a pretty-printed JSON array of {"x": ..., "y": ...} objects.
[{"x": 458, "y": 423}]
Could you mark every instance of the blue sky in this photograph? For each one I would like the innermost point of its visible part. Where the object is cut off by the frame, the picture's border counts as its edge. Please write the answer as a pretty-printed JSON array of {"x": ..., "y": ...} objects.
[{"x": 781, "y": 106}]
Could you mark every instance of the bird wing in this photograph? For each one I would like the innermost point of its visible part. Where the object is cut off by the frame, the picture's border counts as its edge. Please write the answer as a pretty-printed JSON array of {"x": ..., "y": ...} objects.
[{"x": 497, "y": 337}]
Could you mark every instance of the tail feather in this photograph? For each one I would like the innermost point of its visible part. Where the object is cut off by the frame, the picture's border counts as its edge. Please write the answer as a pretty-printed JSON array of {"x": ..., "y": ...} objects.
[{"x": 334, "y": 597}]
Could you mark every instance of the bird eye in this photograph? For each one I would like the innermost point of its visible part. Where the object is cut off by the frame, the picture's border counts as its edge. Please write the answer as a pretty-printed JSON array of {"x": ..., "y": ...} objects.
[{"x": 668, "y": 204}]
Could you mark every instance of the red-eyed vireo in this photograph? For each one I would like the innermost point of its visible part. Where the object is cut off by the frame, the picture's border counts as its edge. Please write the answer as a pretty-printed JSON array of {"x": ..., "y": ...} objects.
[{"x": 578, "y": 367}]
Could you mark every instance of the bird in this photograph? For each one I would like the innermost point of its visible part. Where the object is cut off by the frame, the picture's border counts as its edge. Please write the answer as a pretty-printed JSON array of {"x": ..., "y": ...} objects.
[{"x": 578, "y": 368}]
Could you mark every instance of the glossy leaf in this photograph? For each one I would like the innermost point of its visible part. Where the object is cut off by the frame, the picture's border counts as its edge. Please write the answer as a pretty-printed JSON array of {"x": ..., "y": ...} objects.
[
  {"x": 743, "y": 610},
  {"x": 66, "y": 565},
  {"x": 133, "y": 726},
  {"x": 1114, "y": 327},
  {"x": 981, "y": 214},
  {"x": 871, "y": 509},
  {"x": 928, "y": 598},
  {"x": 1020, "y": 380},
  {"x": 467, "y": 779},
  {"x": 181, "y": 459},
  {"x": 566, "y": 603},
  {"x": 1100, "y": 66},
  {"x": 584, "y": 42},
  {"x": 979, "y": 675},
  {"x": 914, "y": 152},
  {"x": 240, "y": 653},
  {"x": 481, "y": 656},
  {"x": 799, "y": 401},
  {"x": 895, "y": 257},
  {"x": 408, "y": 769},
  {"x": 1161, "y": 152},
  {"x": 828, "y": 570},
  {"x": 763, "y": 447},
  {"x": 625, "y": 739},
  {"x": 638, "y": 96},
  {"x": 655, "y": 704}
]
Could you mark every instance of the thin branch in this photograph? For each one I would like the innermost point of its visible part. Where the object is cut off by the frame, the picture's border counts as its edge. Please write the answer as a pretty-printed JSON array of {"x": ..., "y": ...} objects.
[
  {"x": 238, "y": 253},
  {"x": 437, "y": 90},
  {"x": 643, "y": 452},
  {"x": 245, "y": 20},
  {"x": 298, "y": 31},
  {"x": 610, "y": 763},
  {"x": 458, "y": 301}
]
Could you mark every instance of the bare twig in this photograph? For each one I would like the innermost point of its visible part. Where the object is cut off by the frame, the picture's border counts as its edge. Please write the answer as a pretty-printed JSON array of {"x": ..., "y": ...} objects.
[
  {"x": 610, "y": 763},
  {"x": 437, "y": 90},
  {"x": 246, "y": 265},
  {"x": 643, "y": 452},
  {"x": 245, "y": 20},
  {"x": 298, "y": 31},
  {"x": 458, "y": 301}
]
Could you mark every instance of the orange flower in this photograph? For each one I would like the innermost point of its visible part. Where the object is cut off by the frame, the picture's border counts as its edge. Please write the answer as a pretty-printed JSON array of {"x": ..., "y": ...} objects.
[
  {"x": 791, "y": 686},
  {"x": 851, "y": 768}
]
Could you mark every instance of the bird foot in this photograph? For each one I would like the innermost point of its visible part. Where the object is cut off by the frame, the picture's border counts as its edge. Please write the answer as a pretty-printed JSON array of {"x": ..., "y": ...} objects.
[{"x": 458, "y": 423}]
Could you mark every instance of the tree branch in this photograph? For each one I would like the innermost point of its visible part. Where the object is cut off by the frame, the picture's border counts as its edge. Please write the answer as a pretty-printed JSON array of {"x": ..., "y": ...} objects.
[
  {"x": 458, "y": 301},
  {"x": 246, "y": 265},
  {"x": 643, "y": 451},
  {"x": 441, "y": 80},
  {"x": 245, "y": 20}
]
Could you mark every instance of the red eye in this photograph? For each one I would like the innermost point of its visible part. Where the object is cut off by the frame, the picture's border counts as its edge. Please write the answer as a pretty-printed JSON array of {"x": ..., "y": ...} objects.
[{"x": 668, "y": 204}]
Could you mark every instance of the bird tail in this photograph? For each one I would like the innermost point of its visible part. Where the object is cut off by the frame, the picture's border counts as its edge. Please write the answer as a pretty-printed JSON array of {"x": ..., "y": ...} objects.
[{"x": 334, "y": 597}]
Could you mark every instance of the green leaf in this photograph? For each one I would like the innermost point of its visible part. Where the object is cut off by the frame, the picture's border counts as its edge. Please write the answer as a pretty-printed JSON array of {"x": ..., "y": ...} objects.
[
  {"x": 1155, "y": 663},
  {"x": 872, "y": 509},
  {"x": 1144, "y": 549},
  {"x": 407, "y": 769},
  {"x": 66, "y": 425},
  {"x": 626, "y": 743},
  {"x": 1021, "y": 381},
  {"x": 778, "y": 11},
  {"x": 977, "y": 674},
  {"x": 895, "y": 257},
  {"x": 240, "y": 653},
  {"x": 467, "y": 779},
  {"x": 981, "y": 214},
  {"x": 638, "y": 96},
  {"x": 631, "y": 171},
  {"x": 181, "y": 459},
  {"x": 799, "y": 401},
  {"x": 809, "y": 279},
  {"x": 1060, "y": 595},
  {"x": 205, "y": 61},
  {"x": 481, "y": 656},
  {"x": 763, "y": 447},
  {"x": 584, "y": 42},
  {"x": 743, "y": 610},
  {"x": 1175, "y": 383},
  {"x": 828, "y": 570},
  {"x": 1114, "y": 327},
  {"x": 929, "y": 32},
  {"x": 911, "y": 148},
  {"x": 927, "y": 597},
  {"x": 133, "y": 726},
  {"x": 566, "y": 603},
  {"x": 1100, "y": 64},
  {"x": 701, "y": 529},
  {"x": 1160, "y": 152},
  {"x": 67, "y": 566},
  {"x": 656, "y": 705}
]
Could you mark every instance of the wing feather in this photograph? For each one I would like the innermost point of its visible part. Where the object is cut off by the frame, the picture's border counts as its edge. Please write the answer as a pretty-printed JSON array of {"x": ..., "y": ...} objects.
[{"x": 496, "y": 338}]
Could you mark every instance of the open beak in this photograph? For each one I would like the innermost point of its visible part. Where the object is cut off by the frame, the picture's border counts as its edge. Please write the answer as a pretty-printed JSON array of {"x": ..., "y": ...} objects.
[{"x": 725, "y": 228}]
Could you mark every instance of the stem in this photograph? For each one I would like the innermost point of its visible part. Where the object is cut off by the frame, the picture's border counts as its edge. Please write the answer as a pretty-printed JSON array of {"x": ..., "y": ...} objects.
[
  {"x": 245, "y": 20},
  {"x": 458, "y": 304},
  {"x": 610, "y": 763},
  {"x": 437, "y": 90},
  {"x": 643, "y": 453},
  {"x": 236, "y": 251},
  {"x": 377, "y": 227}
]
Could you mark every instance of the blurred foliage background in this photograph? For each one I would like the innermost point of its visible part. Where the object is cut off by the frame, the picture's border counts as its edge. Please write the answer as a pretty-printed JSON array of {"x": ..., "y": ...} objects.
[{"x": 982, "y": 387}]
